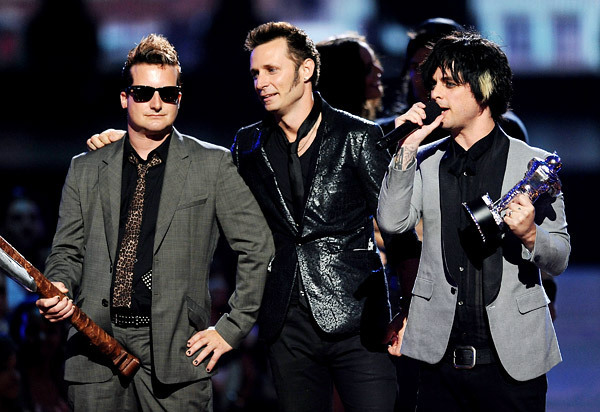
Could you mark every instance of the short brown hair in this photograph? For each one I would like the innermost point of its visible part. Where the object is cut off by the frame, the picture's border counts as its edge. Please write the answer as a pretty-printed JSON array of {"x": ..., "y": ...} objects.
[
  {"x": 152, "y": 49},
  {"x": 300, "y": 46}
]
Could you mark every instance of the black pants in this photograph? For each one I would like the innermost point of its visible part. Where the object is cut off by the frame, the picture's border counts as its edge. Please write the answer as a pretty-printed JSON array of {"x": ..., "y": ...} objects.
[
  {"x": 407, "y": 373},
  {"x": 485, "y": 388},
  {"x": 306, "y": 364}
]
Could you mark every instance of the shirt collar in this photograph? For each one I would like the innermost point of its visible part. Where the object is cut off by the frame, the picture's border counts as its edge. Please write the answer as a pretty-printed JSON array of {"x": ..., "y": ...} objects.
[
  {"x": 462, "y": 160},
  {"x": 161, "y": 151}
]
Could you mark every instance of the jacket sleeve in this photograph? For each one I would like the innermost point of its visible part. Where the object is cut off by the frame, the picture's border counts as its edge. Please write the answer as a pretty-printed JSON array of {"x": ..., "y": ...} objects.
[
  {"x": 65, "y": 262},
  {"x": 400, "y": 199},
  {"x": 552, "y": 242},
  {"x": 247, "y": 233},
  {"x": 372, "y": 164}
]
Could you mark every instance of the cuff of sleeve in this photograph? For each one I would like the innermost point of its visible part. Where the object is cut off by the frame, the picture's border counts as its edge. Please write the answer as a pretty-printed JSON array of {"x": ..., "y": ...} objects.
[{"x": 229, "y": 331}]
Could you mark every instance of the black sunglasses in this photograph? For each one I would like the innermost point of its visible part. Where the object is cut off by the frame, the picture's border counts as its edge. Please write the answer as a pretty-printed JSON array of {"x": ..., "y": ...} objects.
[{"x": 142, "y": 94}]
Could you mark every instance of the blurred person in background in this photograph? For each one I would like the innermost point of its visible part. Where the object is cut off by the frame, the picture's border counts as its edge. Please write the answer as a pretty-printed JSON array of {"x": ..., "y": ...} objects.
[
  {"x": 350, "y": 77},
  {"x": 10, "y": 378},
  {"x": 24, "y": 228},
  {"x": 41, "y": 354}
]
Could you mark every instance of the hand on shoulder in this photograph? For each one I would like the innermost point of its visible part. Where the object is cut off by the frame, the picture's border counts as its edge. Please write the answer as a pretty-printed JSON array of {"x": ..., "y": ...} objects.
[{"x": 107, "y": 137}]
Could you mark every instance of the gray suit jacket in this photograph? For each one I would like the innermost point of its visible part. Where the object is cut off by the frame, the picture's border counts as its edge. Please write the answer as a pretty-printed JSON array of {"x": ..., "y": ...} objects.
[
  {"x": 201, "y": 191},
  {"x": 519, "y": 319}
]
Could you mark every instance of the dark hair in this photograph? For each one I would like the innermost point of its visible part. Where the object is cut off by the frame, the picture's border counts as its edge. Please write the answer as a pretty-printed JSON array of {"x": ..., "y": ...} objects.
[
  {"x": 343, "y": 73},
  {"x": 425, "y": 35},
  {"x": 300, "y": 46},
  {"x": 470, "y": 59},
  {"x": 152, "y": 49}
]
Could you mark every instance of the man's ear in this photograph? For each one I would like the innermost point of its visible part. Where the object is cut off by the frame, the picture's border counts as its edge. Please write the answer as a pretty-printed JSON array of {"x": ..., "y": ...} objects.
[
  {"x": 123, "y": 100},
  {"x": 307, "y": 69}
]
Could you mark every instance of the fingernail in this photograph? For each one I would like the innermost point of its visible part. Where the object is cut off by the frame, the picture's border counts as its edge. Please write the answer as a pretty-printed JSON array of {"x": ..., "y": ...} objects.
[
  {"x": 189, "y": 344},
  {"x": 188, "y": 353},
  {"x": 195, "y": 362},
  {"x": 207, "y": 370}
]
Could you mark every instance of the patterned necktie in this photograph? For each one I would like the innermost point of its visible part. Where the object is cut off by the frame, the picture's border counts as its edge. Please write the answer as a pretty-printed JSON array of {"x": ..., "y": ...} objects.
[{"x": 128, "y": 249}]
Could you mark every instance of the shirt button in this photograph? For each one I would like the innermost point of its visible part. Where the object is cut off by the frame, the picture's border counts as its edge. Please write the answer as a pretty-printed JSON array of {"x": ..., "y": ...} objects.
[
  {"x": 460, "y": 303},
  {"x": 464, "y": 173},
  {"x": 462, "y": 269}
]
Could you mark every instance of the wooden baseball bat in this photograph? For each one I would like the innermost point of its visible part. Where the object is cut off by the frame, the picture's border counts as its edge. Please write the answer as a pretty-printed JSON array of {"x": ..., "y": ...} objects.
[{"x": 126, "y": 363}]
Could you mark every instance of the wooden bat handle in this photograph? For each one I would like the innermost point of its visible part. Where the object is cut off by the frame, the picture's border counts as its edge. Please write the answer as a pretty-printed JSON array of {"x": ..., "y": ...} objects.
[{"x": 126, "y": 363}]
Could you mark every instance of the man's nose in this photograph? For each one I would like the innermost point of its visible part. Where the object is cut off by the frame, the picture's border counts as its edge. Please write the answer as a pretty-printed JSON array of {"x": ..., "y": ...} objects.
[
  {"x": 260, "y": 82},
  {"x": 436, "y": 92},
  {"x": 156, "y": 102}
]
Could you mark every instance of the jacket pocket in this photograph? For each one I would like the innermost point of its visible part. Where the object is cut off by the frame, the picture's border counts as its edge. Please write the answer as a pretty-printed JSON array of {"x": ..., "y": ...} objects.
[
  {"x": 197, "y": 315},
  {"x": 423, "y": 288},
  {"x": 193, "y": 202},
  {"x": 532, "y": 300}
]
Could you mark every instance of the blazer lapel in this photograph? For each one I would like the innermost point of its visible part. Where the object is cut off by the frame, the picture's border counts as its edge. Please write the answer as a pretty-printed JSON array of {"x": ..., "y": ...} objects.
[
  {"x": 446, "y": 205},
  {"x": 176, "y": 170},
  {"x": 267, "y": 175},
  {"x": 109, "y": 177}
]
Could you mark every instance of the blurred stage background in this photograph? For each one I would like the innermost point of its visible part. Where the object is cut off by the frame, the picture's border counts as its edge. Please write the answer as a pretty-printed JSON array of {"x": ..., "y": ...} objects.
[{"x": 60, "y": 63}]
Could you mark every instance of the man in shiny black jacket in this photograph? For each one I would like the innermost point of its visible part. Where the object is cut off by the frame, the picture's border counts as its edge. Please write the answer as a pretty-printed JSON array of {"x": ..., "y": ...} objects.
[{"x": 315, "y": 173}]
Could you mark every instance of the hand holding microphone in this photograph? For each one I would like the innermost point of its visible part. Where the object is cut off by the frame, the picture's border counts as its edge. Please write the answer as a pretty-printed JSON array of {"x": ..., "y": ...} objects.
[{"x": 419, "y": 115}]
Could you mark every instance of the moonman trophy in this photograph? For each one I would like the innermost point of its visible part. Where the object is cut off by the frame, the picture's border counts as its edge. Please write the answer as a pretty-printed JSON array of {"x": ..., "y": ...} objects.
[
  {"x": 541, "y": 177},
  {"x": 24, "y": 273}
]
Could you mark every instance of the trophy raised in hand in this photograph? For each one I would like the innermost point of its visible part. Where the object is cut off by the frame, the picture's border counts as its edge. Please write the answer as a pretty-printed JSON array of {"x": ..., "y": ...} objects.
[{"x": 541, "y": 177}]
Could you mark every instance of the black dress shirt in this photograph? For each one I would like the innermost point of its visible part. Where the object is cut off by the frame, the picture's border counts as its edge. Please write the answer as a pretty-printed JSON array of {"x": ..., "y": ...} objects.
[
  {"x": 141, "y": 298},
  {"x": 276, "y": 148},
  {"x": 476, "y": 270}
]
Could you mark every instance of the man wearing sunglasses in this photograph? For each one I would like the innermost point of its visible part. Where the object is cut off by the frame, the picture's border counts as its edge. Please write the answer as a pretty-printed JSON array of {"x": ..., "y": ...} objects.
[{"x": 138, "y": 225}]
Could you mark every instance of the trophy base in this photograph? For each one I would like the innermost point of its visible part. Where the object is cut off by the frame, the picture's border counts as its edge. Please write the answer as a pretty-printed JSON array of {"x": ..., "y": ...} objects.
[{"x": 488, "y": 224}]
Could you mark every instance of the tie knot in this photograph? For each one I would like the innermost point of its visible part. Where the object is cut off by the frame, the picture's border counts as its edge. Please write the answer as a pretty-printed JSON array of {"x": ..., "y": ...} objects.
[
  {"x": 142, "y": 168},
  {"x": 293, "y": 147}
]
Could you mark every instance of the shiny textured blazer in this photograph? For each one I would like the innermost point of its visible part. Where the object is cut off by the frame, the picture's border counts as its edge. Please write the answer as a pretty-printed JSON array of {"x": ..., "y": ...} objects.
[
  {"x": 337, "y": 259},
  {"x": 519, "y": 319},
  {"x": 201, "y": 190}
]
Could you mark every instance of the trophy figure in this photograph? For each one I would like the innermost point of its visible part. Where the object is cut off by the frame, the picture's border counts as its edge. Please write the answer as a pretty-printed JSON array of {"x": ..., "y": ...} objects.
[{"x": 541, "y": 177}]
